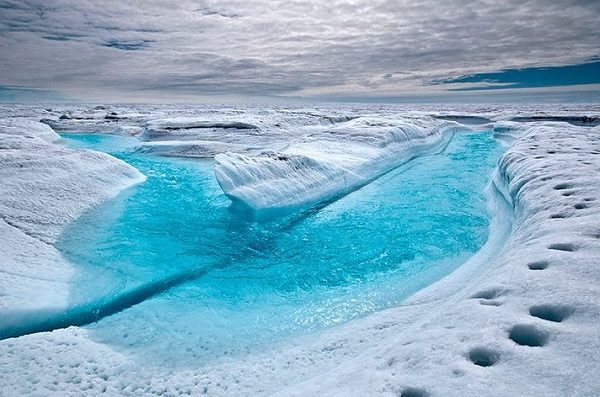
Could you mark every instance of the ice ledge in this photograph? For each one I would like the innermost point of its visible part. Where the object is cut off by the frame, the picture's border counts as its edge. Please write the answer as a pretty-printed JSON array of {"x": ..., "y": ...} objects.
[
  {"x": 322, "y": 165},
  {"x": 44, "y": 187}
]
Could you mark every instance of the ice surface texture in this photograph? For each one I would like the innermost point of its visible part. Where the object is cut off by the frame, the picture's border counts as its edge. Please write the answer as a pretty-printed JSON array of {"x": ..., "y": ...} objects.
[{"x": 321, "y": 165}]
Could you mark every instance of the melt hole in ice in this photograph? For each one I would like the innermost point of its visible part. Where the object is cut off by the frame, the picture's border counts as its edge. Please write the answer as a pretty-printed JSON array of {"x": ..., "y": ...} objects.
[
  {"x": 555, "y": 313},
  {"x": 488, "y": 302},
  {"x": 414, "y": 392},
  {"x": 488, "y": 294},
  {"x": 568, "y": 247},
  {"x": 558, "y": 216},
  {"x": 539, "y": 265},
  {"x": 483, "y": 356},
  {"x": 563, "y": 186},
  {"x": 528, "y": 335}
]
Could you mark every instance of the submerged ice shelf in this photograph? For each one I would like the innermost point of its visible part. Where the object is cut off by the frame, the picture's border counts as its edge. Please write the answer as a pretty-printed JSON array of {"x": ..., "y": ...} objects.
[{"x": 226, "y": 282}]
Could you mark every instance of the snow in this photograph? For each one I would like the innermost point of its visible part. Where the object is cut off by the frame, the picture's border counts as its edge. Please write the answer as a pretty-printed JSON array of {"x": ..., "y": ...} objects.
[
  {"x": 195, "y": 148},
  {"x": 214, "y": 132},
  {"x": 537, "y": 282},
  {"x": 44, "y": 187},
  {"x": 323, "y": 164},
  {"x": 28, "y": 128}
]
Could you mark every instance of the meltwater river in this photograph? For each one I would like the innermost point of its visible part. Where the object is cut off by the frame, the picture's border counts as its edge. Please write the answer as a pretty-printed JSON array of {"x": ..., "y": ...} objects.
[{"x": 215, "y": 283}]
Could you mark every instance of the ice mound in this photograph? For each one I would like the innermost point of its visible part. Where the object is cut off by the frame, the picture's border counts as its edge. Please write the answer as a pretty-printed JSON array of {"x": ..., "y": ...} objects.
[
  {"x": 44, "y": 187},
  {"x": 28, "y": 128},
  {"x": 186, "y": 123},
  {"x": 201, "y": 137},
  {"x": 276, "y": 180},
  {"x": 326, "y": 163},
  {"x": 196, "y": 148},
  {"x": 213, "y": 131}
]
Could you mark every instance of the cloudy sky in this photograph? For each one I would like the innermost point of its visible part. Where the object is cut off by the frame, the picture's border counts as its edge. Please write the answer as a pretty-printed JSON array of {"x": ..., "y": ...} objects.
[{"x": 169, "y": 50}]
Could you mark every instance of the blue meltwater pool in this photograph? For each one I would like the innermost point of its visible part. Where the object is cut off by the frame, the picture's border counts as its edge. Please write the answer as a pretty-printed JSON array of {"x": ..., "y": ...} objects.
[{"x": 193, "y": 281}]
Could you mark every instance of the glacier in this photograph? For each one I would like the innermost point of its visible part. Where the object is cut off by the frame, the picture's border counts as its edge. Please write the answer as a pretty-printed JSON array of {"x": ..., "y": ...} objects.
[{"x": 521, "y": 321}]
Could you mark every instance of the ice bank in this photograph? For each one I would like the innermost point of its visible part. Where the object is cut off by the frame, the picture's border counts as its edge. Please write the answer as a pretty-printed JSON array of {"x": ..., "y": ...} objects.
[
  {"x": 321, "y": 165},
  {"x": 44, "y": 187}
]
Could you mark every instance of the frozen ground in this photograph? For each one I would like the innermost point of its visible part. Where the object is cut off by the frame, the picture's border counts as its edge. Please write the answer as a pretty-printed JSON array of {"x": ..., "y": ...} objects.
[{"x": 522, "y": 321}]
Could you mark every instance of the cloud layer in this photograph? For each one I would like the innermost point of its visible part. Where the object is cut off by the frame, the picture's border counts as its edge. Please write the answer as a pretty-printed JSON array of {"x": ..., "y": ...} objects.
[{"x": 155, "y": 48}]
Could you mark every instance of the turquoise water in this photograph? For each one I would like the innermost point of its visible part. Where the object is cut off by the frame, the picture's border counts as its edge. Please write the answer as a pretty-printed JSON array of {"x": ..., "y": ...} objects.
[{"x": 214, "y": 283}]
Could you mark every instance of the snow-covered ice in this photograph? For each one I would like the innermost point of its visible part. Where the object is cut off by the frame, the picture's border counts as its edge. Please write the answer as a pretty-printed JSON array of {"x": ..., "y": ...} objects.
[
  {"x": 521, "y": 318},
  {"x": 324, "y": 164},
  {"x": 43, "y": 188}
]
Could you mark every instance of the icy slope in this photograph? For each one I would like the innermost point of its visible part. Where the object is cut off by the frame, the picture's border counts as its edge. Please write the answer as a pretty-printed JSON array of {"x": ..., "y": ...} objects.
[
  {"x": 44, "y": 186},
  {"x": 28, "y": 128},
  {"x": 323, "y": 164},
  {"x": 49, "y": 185}
]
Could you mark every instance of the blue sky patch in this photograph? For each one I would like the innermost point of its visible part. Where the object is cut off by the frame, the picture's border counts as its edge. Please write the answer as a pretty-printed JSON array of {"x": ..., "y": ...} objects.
[
  {"x": 24, "y": 94},
  {"x": 550, "y": 76}
]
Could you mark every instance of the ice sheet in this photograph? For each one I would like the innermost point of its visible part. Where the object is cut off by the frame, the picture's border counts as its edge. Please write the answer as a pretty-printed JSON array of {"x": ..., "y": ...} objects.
[{"x": 541, "y": 289}]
